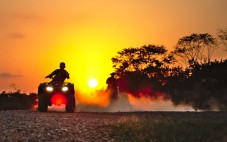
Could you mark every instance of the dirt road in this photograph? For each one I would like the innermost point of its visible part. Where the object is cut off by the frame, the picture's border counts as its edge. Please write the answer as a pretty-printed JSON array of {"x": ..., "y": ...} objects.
[{"x": 29, "y": 125}]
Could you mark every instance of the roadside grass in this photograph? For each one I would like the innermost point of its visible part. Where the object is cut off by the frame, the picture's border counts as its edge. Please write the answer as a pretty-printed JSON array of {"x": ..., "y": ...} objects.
[{"x": 169, "y": 129}]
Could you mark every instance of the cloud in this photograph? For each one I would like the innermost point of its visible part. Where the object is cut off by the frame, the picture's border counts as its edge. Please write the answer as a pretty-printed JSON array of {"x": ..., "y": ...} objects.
[
  {"x": 16, "y": 35},
  {"x": 9, "y": 75}
]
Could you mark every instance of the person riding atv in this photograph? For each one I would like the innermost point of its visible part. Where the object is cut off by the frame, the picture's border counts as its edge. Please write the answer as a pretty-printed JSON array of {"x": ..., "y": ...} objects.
[
  {"x": 57, "y": 91},
  {"x": 59, "y": 74}
]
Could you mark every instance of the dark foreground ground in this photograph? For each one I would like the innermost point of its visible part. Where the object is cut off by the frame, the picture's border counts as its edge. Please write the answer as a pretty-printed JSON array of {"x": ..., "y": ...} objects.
[{"x": 28, "y": 125}]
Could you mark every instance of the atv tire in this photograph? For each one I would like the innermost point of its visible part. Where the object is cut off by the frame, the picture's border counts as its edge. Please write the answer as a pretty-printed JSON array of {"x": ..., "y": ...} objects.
[
  {"x": 42, "y": 102},
  {"x": 70, "y": 106}
]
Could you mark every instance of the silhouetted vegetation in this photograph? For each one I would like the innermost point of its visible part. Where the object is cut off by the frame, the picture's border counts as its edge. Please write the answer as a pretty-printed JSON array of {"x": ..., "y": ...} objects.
[
  {"x": 205, "y": 88},
  {"x": 196, "y": 48},
  {"x": 17, "y": 100},
  {"x": 141, "y": 67},
  {"x": 151, "y": 69},
  {"x": 222, "y": 34}
]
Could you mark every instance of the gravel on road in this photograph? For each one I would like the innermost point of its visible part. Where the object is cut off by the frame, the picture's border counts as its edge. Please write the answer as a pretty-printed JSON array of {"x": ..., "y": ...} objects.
[
  {"x": 29, "y": 125},
  {"x": 34, "y": 126}
]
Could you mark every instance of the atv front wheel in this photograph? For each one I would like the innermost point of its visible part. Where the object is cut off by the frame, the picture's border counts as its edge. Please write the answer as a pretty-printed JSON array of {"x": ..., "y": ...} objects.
[
  {"x": 42, "y": 102},
  {"x": 70, "y": 106}
]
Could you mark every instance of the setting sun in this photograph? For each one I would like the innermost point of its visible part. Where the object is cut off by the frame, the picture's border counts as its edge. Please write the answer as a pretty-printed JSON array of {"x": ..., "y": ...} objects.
[{"x": 92, "y": 83}]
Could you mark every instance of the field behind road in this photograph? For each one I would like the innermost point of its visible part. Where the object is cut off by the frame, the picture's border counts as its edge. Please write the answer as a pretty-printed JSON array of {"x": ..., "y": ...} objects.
[{"x": 29, "y": 125}]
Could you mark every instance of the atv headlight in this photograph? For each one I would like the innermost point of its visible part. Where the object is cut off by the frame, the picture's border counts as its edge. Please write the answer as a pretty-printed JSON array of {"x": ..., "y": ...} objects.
[
  {"x": 49, "y": 88},
  {"x": 65, "y": 88}
]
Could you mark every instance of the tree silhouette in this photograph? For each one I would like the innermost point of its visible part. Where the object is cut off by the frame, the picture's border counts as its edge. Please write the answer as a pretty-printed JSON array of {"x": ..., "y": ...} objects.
[
  {"x": 222, "y": 34},
  {"x": 148, "y": 64},
  {"x": 196, "y": 48},
  {"x": 126, "y": 60},
  {"x": 146, "y": 59}
]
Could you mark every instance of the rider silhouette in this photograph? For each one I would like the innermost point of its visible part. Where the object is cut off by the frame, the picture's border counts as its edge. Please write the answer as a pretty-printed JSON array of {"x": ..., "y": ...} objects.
[
  {"x": 59, "y": 75},
  {"x": 112, "y": 86}
]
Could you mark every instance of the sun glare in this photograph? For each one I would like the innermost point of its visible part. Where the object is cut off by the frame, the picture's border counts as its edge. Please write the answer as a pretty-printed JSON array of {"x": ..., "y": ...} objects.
[{"x": 92, "y": 83}]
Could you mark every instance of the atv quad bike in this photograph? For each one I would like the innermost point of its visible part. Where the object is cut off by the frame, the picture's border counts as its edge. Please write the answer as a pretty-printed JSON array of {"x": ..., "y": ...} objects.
[{"x": 56, "y": 93}]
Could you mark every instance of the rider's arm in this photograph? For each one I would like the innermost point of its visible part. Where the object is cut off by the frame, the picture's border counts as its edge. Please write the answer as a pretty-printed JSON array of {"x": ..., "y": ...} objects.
[
  {"x": 67, "y": 75},
  {"x": 51, "y": 75}
]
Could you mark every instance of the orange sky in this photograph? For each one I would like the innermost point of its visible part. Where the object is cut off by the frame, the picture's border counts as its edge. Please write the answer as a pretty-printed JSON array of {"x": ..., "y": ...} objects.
[{"x": 36, "y": 35}]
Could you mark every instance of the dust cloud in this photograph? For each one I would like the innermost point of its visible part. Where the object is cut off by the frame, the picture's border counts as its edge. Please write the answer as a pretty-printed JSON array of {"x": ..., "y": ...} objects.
[{"x": 126, "y": 103}]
